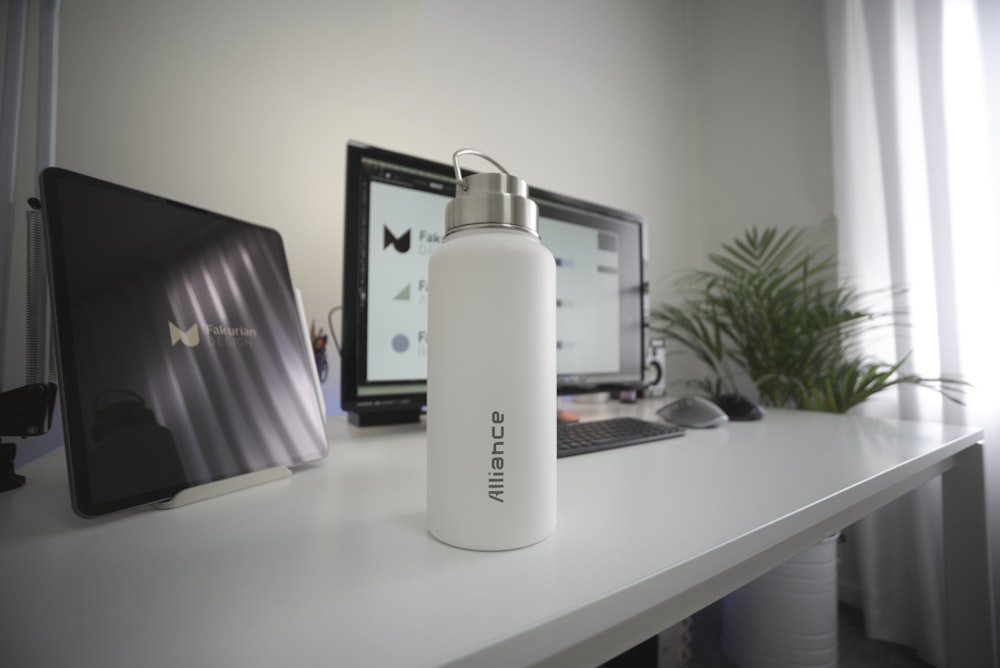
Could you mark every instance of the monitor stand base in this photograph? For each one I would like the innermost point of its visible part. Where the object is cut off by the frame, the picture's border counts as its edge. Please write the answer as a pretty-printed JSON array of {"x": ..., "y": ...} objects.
[{"x": 377, "y": 418}]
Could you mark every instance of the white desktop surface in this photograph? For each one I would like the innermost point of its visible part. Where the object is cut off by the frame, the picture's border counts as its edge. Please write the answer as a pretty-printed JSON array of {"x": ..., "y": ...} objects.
[{"x": 334, "y": 566}]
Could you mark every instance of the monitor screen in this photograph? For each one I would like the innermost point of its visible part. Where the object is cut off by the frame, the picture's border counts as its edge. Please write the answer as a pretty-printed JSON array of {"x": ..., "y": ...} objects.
[{"x": 394, "y": 219}]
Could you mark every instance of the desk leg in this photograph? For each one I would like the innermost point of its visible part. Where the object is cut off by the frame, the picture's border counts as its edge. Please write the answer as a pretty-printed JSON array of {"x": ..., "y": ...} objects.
[{"x": 971, "y": 640}]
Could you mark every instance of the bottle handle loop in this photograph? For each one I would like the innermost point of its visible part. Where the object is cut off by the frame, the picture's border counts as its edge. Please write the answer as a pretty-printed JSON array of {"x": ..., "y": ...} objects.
[{"x": 463, "y": 184}]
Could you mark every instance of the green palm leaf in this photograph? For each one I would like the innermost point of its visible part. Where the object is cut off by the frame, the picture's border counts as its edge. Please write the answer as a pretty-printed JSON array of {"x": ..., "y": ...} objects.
[{"x": 769, "y": 308}]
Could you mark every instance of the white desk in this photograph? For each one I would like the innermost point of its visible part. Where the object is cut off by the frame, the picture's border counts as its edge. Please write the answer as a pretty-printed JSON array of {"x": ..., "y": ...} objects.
[{"x": 333, "y": 566}]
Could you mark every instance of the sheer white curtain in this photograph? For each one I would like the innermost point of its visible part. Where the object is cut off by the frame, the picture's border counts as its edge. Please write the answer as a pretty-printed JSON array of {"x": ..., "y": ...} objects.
[{"x": 916, "y": 129}]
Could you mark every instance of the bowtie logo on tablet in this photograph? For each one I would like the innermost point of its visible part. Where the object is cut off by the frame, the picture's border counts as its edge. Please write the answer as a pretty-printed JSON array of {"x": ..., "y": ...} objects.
[{"x": 189, "y": 338}]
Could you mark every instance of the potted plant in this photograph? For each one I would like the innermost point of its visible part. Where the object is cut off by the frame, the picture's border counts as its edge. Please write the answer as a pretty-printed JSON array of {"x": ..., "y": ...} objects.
[
  {"x": 770, "y": 317},
  {"x": 770, "y": 314}
]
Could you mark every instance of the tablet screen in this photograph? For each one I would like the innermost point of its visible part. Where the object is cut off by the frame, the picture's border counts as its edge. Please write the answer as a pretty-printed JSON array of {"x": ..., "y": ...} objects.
[{"x": 180, "y": 351}]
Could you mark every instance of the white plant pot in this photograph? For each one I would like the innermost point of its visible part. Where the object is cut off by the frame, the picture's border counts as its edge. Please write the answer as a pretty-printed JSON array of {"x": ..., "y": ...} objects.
[{"x": 786, "y": 618}]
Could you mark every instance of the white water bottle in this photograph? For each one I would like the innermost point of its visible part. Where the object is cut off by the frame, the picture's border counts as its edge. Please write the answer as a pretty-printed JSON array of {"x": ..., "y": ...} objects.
[{"x": 491, "y": 369}]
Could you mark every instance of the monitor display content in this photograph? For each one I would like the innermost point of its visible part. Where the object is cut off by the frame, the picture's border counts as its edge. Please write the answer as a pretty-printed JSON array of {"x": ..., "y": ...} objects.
[{"x": 394, "y": 219}]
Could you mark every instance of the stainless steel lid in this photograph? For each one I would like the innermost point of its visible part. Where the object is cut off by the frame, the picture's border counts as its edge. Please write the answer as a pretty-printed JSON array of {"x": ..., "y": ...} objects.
[{"x": 490, "y": 199}]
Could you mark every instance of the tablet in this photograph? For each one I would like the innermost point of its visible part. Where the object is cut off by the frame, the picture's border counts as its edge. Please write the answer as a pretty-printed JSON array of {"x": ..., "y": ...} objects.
[{"x": 179, "y": 346}]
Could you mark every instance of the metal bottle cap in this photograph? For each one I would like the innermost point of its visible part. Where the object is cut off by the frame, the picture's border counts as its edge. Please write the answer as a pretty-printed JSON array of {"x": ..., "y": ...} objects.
[{"x": 490, "y": 200}]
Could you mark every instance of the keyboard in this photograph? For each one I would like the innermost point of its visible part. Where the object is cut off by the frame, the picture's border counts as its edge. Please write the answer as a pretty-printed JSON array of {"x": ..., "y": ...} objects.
[{"x": 577, "y": 438}]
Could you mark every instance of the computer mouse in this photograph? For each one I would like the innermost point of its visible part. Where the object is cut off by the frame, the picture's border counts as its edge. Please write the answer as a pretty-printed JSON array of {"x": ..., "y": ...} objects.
[
  {"x": 693, "y": 411},
  {"x": 739, "y": 408}
]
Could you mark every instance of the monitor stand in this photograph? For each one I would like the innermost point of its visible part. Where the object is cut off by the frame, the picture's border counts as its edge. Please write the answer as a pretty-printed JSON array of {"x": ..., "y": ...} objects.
[
  {"x": 225, "y": 486},
  {"x": 378, "y": 418}
]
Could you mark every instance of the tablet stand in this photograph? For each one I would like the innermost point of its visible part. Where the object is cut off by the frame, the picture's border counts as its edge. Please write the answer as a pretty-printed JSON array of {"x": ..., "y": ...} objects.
[{"x": 224, "y": 486}]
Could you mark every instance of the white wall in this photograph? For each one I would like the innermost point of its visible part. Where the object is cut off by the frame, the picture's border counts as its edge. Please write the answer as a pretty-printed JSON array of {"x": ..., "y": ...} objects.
[
  {"x": 245, "y": 107},
  {"x": 763, "y": 116},
  {"x": 706, "y": 116},
  {"x": 762, "y": 126}
]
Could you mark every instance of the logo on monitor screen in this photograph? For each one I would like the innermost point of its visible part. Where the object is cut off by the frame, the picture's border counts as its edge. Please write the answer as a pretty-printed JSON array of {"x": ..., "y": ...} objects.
[
  {"x": 189, "y": 338},
  {"x": 403, "y": 295},
  {"x": 401, "y": 343},
  {"x": 400, "y": 243}
]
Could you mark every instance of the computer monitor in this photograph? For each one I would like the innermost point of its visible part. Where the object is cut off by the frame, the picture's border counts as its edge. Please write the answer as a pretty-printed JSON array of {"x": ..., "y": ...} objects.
[{"x": 394, "y": 219}]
